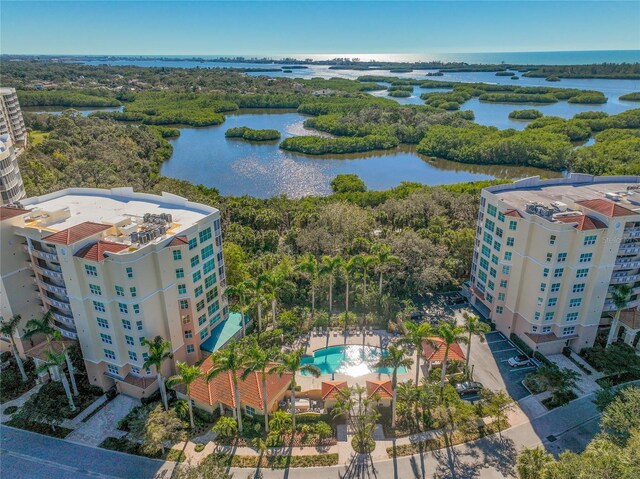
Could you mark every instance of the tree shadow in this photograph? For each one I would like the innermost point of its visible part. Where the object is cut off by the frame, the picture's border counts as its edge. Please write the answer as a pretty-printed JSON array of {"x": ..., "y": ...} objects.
[{"x": 360, "y": 466}]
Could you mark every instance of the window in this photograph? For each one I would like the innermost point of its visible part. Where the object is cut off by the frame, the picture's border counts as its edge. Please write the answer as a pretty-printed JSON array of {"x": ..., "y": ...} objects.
[
  {"x": 491, "y": 285},
  {"x": 197, "y": 276},
  {"x": 184, "y": 304},
  {"x": 103, "y": 323},
  {"x": 129, "y": 272},
  {"x": 562, "y": 257},
  {"x": 113, "y": 369},
  {"x": 207, "y": 252},
  {"x": 491, "y": 210},
  {"x": 188, "y": 334},
  {"x": 506, "y": 269},
  {"x": 210, "y": 281},
  {"x": 499, "y": 232},
  {"x": 555, "y": 287},
  {"x": 208, "y": 267},
  {"x": 141, "y": 339},
  {"x": 487, "y": 238},
  {"x": 503, "y": 283},
  {"x": 510, "y": 241},
  {"x": 482, "y": 275},
  {"x": 190, "y": 348},
  {"x": 572, "y": 317},
  {"x": 119, "y": 291},
  {"x": 90, "y": 270},
  {"x": 490, "y": 225},
  {"x": 204, "y": 333},
  {"x": 133, "y": 356},
  {"x": 133, "y": 292},
  {"x": 536, "y": 316},
  {"x": 186, "y": 319},
  {"x": 549, "y": 316},
  {"x": 250, "y": 411},
  {"x": 569, "y": 330},
  {"x": 585, "y": 257},
  {"x": 546, "y": 329},
  {"x": 534, "y": 328},
  {"x": 507, "y": 255},
  {"x": 552, "y": 302},
  {"x": 213, "y": 308},
  {"x": 499, "y": 309},
  {"x": 95, "y": 289},
  {"x": 549, "y": 257},
  {"x": 558, "y": 272},
  {"x": 182, "y": 289},
  {"x": 98, "y": 306},
  {"x": 177, "y": 255},
  {"x": 484, "y": 264},
  {"x": 501, "y": 296},
  {"x": 486, "y": 251},
  {"x": 204, "y": 235},
  {"x": 126, "y": 324},
  {"x": 135, "y": 370},
  {"x": 106, "y": 338},
  {"x": 589, "y": 240},
  {"x": 200, "y": 305},
  {"x": 578, "y": 288},
  {"x": 500, "y": 216},
  {"x": 540, "y": 301},
  {"x": 575, "y": 302},
  {"x": 543, "y": 286},
  {"x": 129, "y": 340},
  {"x": 136, "y": 309},
  {"x": 193, "y": 242},
  {"x": 545, "y": 272},
  {"x": 214, "y": 320},
  {"x": 195, "y": 261},
  {"x": 124, "y": 309},
  {"x": 493, "y": 273},
  {"x": 552, "y": 239},
  {"x": 582, "y": 273},
  {"x": 109, "y": 354},
  {"x": 139, "y": 325},
  {"x": 494, "y": 259},
  {"x": 211, "y": 295},
  {"x": 179, "y": 273},
  {"x": 202, "y": 319},
  {"x": 513, "y": 225},
  {"x": 497, "y": 246}
]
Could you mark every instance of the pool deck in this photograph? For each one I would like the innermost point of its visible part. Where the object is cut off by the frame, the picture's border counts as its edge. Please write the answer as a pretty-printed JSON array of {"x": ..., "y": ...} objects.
[{"x": 379, "y": 339}]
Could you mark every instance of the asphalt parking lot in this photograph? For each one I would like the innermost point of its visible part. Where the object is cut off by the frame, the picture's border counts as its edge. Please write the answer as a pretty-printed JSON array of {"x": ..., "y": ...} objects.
[{"x": 490, "y": 367}]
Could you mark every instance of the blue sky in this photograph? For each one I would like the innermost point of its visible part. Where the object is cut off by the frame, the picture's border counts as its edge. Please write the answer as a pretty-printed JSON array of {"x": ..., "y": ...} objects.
[{"x": 307, "y": 27}]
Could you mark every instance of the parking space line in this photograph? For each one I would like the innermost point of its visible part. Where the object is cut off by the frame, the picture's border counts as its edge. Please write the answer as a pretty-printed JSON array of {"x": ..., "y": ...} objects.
[
  {"x": 522, "y": 369},
  {"x": 503, "y": 350}
]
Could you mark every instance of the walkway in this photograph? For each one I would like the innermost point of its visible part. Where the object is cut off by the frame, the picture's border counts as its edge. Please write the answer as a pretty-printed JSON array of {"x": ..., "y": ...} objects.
[
  {"x": 19, "y": 401},
  {"x": 586, "y": 383}
]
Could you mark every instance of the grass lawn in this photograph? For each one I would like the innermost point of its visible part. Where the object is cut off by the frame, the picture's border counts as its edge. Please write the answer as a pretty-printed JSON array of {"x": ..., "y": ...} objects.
[
  {"x": 59, "y": 432},
  {"x": 274, "y": 462},
  {"x": 36, "y": 137},
  {"x": 130, "y": 447}
]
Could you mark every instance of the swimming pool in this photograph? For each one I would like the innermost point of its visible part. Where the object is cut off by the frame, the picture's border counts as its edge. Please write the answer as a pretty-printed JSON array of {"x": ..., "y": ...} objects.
[{"x": 351, "y": 360}]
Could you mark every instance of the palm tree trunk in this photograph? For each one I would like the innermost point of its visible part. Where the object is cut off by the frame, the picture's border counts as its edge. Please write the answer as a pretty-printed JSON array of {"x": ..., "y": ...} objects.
[
  {"x": 614, "y": 327},
  {"x": 346, "y": 313},
  {"x": 163, "y": 392},
  {"x": 273, "y": 311},
  {"x": 444, "y": 371},
  {"x": 293, "y": 409},
  {"x": 418, "y": 354},
  {"x": 394, "y": 397},
  {"x": 259, "y": 317},
  {"x": 466, "y": 365},
  {"x": 190, "y": 409},
  {"x": 313, "y": 301},
  {"x": 71, "y": 375},
  {"x": 67, "y": 390},
  {"x": 380, "y": 285},
  {"x": 236, "y": 392},
  {"x": 19, "y": 362},
  {"x": 265, "y": 403},
  {"x": 330, "y": 294},
  {"x": 244, "y": 326},
  {"x": 364, "y": 282}
]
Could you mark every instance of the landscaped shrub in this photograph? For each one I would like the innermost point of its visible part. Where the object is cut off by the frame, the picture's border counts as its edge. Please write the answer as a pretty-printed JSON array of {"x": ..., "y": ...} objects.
[
  {"x": 10, "y": 410},
  {"x": 226, "y": 427},
  {"x": 176, "y": 455},
  {"x": 199, "y": 447}
]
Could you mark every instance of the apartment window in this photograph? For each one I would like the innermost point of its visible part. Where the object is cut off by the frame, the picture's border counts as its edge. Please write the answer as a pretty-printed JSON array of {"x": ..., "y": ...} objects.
[
  {"x": 569, "y": 330},
  {"x": 202, "y": 319},
  {"x": 214, "y": 320},
  {"x": 543, "y": 286},
  {"x": 184, "y": 304},
  {"x": 500, "y": 216},
  {"x": 497, "y": 246},
  {"x": 136, "y": 309},
  {"x": 590, "y": 240},
  {"x": 555, "y": 287},
  {"x": 552, "y": 239},
  {"x": 129, "y": 340},
  {"x": 135, "y": 370},
  {"x": 126, "y": 324},
  {"x": 208, "y": 267},
  {"x": 552, "y": 302},
  {"x": 211, "y": 294},
  {"x": 575, "y": 302},
  {"x": 549, "y": 316},
  {"x": 186, "y": 319},
  {"x": 546, "y": 329},
  {"x": 141, "y": 340},
  {"x": 204, "y": 235},
  {"x": 177, "y": 255},
  {"x": 200, "y": 305},
  {"x": 545, "y": 272},
  {"x": 578, "y": 288},
  {"x": 210, "y": 281},
  {"x": 510, "y": 241},
  {"x": 133, "y": 356},
  {"x": 503, "y": 283},
  {"x": 571, "y": 317},
  {"x": 549, "y": 257},
  {"x": 198, "y": 291},
  {"x": 129, "y": 271},
  {"x": 106, "y": 338},
  {"x": 103, "y": 323},
  {"x": 501, "y": 296},
  {"x": 197, "y": 276},
  {"x": 98, "y": 306},
  {"x": 562, "y": 257},
  {"x": 484, "y": 264},
  {"x": 494, "y": 259},
  {"x": 482, "y": 276},
  {"x": 113, "y": 369},
  {"x": 486, "y": 251},
  {"x": 493, "y": 273},
  {"x": 204, "y": 333},
  {"x": 534, "y": 328},
  {"x": 206, "y": 252},
  {"x": 487, "y": 238},
  {"x": 491, "y": 285},
  {"x": 90, "y": 270},
  {"x": 540, "y": 301},
  {"x": 499, "y": 232},
  {"x": 492, "y": 210},
  {"x": 195, "y": 261},
  {"x": 139, "y": 325},
  {"x": 213, "y": 308},
  {"x": 182, "y": 289},
  {"x": 499, "y": 309},
  {"x": 95, "y": 289},
  {"x": 119, "y": 291},
  {"x": 190, "y": 348},
  {"x": 188, "y": 334},
  {"x": 124, "y": 309},
  {"x": 558, "y": 272},
  {"x": 536, "y": 316},
  {"x": 145, "y": 357},
  {"x": 179, "y": 273},
  {"x": 133, "y": 292},
  {"x": 193, "y": 242},
  {"x": 585, "y": 257},
  {"x": 582, "y": 273},
  {"x": 513, "y": 225},
  {"x": 490, "y": 225},
  {"x": 506, "y": 269}
]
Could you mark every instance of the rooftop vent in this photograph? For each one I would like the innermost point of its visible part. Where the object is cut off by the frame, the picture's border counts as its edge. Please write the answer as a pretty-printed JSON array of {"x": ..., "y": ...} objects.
[{"x": 613, "y": 196}]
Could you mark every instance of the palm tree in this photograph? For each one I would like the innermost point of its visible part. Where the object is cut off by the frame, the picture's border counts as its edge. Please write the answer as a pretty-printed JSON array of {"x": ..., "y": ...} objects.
[
  {"x": 473, "y": 326},
  {"x": 229, "y": 360},
  {"x": 9, "y": 328},
  {"x": 58, "y": 337},
  {"x": 395, "y": 359},
  {"x": 532, "y": 462},
  {"x": 415, "y": 335},
  {"x": 258, "y": 360},
  {"x": 383, "y": 257},
  {"x": 186, "y": 375},
  {"x": 43, "y": 325},
  {"x": 274, "y": 281},
  {"x": 57, "y": 362},
  {"x": 366, "y": 262},
  {"x": 309, "y": 266},
  {"x": 329, "y": 267},
  {"x": 620, "y": 295},
  {"x": 159, "y": 351},
  {"x": 348, "y": 267},
  {"x": 449, "y": 334},
  {"x": 239, "y": 292},
  {"x": 292, "y": 363},
  {"x": 257, "y": 289}
]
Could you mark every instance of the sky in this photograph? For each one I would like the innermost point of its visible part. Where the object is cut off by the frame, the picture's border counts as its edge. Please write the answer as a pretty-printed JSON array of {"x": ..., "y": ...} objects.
[{"x": 271, "y": 28}]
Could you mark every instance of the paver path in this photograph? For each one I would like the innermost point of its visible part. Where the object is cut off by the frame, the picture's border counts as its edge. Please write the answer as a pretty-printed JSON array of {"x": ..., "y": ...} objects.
[{"x": 19, "y": 401}]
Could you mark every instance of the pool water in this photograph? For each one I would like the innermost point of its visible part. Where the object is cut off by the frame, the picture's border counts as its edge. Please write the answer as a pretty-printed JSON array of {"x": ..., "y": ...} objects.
[{"x": 352, "y": 360}]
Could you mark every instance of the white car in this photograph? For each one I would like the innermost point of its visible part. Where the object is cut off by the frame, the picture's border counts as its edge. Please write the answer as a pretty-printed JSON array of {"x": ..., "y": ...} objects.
[{"x": 519, "y": 361}]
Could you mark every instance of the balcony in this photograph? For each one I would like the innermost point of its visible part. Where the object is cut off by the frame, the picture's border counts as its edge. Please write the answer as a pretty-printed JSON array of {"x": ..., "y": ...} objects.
[
  {"x": 68, "y": 334},
  {"x": 609, "y": 306},
  {"x": 56, "y": 303},
  {"x": 63, "y": 318},
  {"x": 620, "y": 278},
  {"x": 630, "y": 248},
  {"x": 49, "y": 273},
  {"x": 43, "y": 255},
  {"x": 627, "y": 264},
  {"x": 52, "y": 288}
]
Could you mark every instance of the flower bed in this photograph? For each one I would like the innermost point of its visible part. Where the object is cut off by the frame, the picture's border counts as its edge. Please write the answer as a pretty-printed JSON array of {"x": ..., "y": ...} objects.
[{"x": 274, "y": 462}]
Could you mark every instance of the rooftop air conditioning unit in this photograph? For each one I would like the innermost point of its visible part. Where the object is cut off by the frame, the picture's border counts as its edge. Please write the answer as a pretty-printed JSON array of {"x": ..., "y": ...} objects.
[
  {"x": 559, "y": 205},
  {"x": 613, "y": 196}
]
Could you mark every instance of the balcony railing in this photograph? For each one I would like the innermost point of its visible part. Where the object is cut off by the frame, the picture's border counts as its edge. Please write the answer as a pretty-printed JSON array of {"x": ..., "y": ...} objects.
[
  {"x": 58, "y": 304},
  {"x": 627, "y": 264},
  {"x": 610, "y": 306},
  {"x": 630, "y": 248},
  {"x": 52, "y": 288},
  {"x": 624, "y": 278},
  {"x": 68, "y": 334},
  {"x": 48, "y": 272},
  {"x": 43, "y": 255},
  {"x": 63, "y": 318}
]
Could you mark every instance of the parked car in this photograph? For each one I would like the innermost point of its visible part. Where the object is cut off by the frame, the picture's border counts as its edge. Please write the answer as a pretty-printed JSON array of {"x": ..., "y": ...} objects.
[
  {"x": 519, "y": 361},
  {"x": 469, "y": 387}
]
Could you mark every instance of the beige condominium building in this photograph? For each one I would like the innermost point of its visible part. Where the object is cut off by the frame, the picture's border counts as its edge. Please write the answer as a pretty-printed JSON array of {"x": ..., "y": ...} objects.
[
  {"x": 11, "y": 185},
  {"x": 115, "y": 267},
  {"x": 549, "y": 253},
  {"x": 11, "y": 121}
]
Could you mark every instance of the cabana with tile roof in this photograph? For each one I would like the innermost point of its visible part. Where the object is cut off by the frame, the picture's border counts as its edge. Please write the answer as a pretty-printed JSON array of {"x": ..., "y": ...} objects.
[
  {"x": 330, "y": 390},
  {"x": 381, "y": 390},
  {"x": 434, "y": 348}
]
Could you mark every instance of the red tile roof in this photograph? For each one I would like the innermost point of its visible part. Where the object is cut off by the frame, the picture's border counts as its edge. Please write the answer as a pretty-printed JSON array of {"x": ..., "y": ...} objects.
[
  {"x": 97, "y": 251},
  {"x": 220, "y": 388},
  {"x": 382, "y": 388},
  {"x": 76, "y": 233},
  {"x": 8, "y": 212},
  {"x": 548, "y": 337},
  {"x": 178, "y": 241},
  {"x": 330, "y": 389},
  {"x": 584, "y": 222},
  {"x": 606, "y": 207},
  {"x": 630, "y": 318},
  {"x": 513, "y": 213},
  {"x": 436, "y": 352},
  {"x": 139, "y": 382}
]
